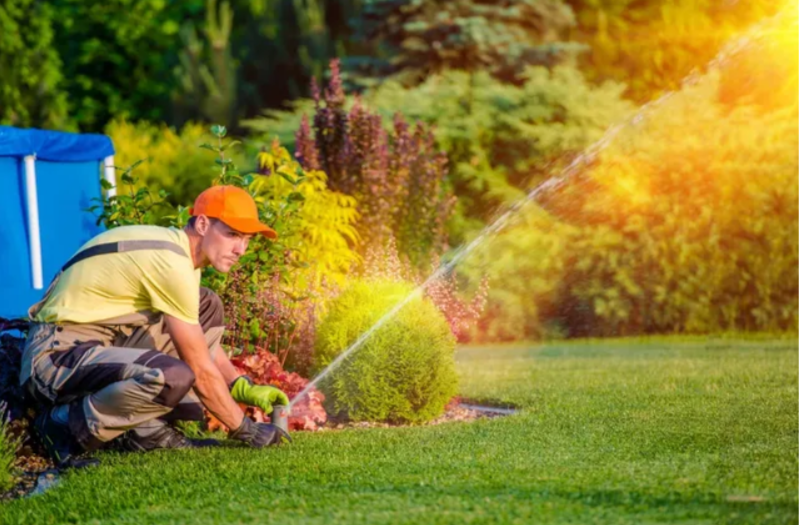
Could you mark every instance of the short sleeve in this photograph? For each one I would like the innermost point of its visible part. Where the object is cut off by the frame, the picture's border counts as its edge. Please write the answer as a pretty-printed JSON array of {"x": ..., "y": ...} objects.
[{"x": 174, "y": 290}]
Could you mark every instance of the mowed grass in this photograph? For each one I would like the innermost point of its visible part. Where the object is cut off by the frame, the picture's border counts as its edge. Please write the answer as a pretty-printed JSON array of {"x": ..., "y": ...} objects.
[{"x": 664, "y": 431}]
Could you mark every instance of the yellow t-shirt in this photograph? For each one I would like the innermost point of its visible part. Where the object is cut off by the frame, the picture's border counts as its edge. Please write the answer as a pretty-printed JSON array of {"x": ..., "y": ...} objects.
[{"x": 116, "y": 284}]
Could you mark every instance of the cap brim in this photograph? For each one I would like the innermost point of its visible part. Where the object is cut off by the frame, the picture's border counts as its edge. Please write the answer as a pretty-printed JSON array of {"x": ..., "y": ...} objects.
[{"x": 251, "y": 226}]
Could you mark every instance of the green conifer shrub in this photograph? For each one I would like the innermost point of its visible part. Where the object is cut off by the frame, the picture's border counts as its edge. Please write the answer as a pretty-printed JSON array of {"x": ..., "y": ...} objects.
[{"x": 404, "y": 372}]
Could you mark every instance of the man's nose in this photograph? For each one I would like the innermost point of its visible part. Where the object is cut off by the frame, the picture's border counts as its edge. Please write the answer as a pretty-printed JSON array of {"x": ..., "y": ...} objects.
[{"x": 240, "y": 247}]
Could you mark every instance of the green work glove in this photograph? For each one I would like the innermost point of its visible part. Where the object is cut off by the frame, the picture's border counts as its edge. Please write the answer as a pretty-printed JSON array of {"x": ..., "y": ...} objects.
[{"x": 245, "y": 391}]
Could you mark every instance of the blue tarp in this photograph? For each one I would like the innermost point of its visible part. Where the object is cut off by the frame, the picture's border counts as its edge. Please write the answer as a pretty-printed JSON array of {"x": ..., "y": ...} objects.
[
  {"x": 68, "y": 169},
  {"x": 55, "y": 146}
]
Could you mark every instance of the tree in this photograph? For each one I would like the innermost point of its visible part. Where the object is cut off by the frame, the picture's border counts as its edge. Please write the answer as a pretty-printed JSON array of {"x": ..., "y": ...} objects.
[
  {"x": 118, "y": 57},
  {"x": 280, "y": 45},
  {"x": 651, "y": 45},
  {"x": 203, "y": 91},
  {"x": 421, "y": 37},
  {"x": 186, "y": 61},
  {"x": 31, "y": 82}
]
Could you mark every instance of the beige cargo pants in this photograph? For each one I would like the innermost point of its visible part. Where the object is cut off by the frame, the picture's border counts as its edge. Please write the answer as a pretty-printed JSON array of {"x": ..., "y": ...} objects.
[{"x": 123, "y": 374}]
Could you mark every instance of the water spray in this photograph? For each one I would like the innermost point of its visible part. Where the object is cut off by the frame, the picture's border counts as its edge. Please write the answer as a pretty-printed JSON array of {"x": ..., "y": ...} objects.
[{"x": 583, "y": 160}]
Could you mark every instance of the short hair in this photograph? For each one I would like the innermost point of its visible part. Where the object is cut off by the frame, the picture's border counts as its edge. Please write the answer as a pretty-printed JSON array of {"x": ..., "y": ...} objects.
[{"x": 193, "y": 219}]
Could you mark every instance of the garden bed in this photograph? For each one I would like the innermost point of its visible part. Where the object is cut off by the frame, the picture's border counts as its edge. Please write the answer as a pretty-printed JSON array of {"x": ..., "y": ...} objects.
[
  {"x": 455, "y": 412},
  {"x": 31, "y": 468}
]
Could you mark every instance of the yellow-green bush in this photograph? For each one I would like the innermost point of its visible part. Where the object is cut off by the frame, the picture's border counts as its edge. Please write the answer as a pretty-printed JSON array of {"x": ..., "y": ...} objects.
[
  {"x": 323, "y": 231},
  {"x": 173, "y": 161},
  {"x": 404, "y": 372}
]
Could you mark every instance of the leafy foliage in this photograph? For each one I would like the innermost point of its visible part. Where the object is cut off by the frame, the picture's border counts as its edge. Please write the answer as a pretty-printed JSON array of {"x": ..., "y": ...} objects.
[
  {"x": 211, "y": 89},
  {"x": 322, "y": 229},
  {"x": 31, "y": 91},
  {"x": 282, "y": 44},
  {"x": 652, "y": 45},
  {"x": 704, "y": 230},
  {"x": 500, "y": 139},
  {"x": 687, "y": 222},
  {"x": 273, "y": 316},
  {"x": 385, "y": 264},
  {"x": 79, "y": 65},
  {"x": 404, "y": 372},
  {"x": 526, "y": 267},
  {"x": 397, "y": 176},
  {"x": 420, "y": 38},
  {"x": 172, "y": 160},
  {"x": 118, "y": 60},
  {"x": 137, "y": 206},
  {"x": 71, "y": 64},
  {"x": 269, "y": 293}
]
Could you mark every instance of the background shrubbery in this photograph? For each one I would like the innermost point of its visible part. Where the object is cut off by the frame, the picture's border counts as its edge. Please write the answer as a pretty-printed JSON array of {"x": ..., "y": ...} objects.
[
  {"x": 686, "y": 222},
  {"x": 404, "y": 372},
  {"x": 500, "y": 139}
]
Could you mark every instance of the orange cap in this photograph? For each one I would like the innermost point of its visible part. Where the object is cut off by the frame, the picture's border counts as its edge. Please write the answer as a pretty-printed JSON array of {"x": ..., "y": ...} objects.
[{"x": 233, "y": 206}]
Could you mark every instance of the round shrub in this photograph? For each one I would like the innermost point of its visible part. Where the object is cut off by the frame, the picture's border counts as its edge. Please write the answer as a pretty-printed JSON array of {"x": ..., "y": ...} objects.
[{"x": 403, "y": 373}]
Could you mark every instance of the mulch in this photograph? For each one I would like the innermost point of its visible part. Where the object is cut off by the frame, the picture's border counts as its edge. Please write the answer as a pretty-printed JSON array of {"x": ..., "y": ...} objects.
[
  {"x": 455, "y": 412},
  {"x": 29, "y": 467}
]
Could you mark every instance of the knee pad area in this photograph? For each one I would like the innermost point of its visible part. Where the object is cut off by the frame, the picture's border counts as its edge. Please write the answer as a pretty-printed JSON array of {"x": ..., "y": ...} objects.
[{"x": 178, "y": 380}]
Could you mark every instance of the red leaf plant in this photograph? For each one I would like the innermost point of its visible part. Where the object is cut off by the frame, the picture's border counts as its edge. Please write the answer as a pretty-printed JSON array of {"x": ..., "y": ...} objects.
[{"x": 265, "y": 369}]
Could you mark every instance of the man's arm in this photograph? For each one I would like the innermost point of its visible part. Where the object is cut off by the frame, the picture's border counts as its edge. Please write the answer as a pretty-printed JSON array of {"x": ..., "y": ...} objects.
[
  {"x": 226, "y": 368},
  {"x": 211, "y": 381}
]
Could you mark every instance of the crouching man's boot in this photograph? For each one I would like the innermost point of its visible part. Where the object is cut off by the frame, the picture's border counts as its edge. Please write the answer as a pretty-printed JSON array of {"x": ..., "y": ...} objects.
[
  {"x": 59, "y": 443},
  {"x": 163, "y": 437}
]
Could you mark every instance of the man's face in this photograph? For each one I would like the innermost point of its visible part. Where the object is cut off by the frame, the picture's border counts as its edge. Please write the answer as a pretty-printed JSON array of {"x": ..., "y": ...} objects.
[{"x": 221, "y": 245}]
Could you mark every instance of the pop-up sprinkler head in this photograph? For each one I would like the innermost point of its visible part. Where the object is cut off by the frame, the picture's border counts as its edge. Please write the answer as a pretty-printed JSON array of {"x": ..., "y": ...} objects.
[{"x": 280, "y": 417}]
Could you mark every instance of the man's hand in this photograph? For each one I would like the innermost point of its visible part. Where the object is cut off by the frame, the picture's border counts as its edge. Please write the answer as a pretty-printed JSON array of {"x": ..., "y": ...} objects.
[
  {"x": 259, "y": 434},
  {"x": 245, "y": 391}
]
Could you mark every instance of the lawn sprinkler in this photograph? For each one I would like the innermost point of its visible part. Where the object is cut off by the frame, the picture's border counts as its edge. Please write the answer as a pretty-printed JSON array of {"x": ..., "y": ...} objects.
[{"x": 280, "y": 417}]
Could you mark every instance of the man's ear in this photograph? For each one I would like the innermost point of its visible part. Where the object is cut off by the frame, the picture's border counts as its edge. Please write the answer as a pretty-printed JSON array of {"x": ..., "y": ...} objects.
[{"x": 202, "y": 224}]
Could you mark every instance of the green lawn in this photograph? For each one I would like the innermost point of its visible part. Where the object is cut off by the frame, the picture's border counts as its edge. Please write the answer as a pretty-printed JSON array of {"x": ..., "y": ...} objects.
[{"x": 666, "y": 431}]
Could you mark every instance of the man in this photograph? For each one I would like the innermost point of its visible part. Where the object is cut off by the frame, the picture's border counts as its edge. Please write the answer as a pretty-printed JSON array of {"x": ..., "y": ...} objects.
[{"x": 125, "y": 341}]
